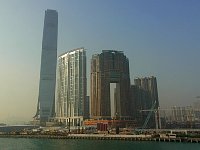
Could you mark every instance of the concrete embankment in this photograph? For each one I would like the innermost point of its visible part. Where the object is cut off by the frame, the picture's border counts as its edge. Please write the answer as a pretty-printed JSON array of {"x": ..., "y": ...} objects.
[{"x": 105, "y": 137}]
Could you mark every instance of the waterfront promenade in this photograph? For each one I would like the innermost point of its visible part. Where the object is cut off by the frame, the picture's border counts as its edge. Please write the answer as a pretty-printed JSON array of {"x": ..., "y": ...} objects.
[{"x": 140, "y": 137}]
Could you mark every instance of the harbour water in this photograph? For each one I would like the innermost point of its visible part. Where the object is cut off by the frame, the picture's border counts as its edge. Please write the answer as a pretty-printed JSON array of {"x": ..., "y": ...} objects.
[{"x": 80, "y": 144}]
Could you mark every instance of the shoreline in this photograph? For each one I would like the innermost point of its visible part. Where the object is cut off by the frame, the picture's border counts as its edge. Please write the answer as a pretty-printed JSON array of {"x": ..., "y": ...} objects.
[{"x": 104, "y": 137}]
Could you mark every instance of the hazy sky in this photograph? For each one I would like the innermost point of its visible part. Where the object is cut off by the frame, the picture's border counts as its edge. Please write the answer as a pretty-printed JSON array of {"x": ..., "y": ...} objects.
[{"x": 160, "y": 38}]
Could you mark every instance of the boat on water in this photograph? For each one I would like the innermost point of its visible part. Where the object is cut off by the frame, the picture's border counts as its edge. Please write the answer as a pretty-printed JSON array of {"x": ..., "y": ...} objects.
[{"x": 3, "y": 124}]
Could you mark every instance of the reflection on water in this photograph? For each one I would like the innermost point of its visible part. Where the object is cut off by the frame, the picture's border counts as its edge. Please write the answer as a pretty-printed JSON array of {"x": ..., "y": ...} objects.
[{"x": 69, "y": 144}]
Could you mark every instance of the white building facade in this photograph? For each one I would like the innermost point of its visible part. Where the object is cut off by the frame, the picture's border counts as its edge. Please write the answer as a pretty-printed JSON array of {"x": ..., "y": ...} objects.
[{"x": 71, "y": 87}]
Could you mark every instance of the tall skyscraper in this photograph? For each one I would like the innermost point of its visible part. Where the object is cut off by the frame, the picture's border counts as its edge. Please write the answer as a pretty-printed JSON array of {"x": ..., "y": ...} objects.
[
  {"x": 71, "y": 87},
  {"x": 46, "y": 99},
  {"x": 109, "y": 67},
  {"x": 143, "y": 96},
  {"x": 149, "y": 95}
]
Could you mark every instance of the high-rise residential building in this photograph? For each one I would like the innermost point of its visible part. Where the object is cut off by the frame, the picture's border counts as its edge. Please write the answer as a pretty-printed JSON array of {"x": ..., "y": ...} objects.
[
  {"x": 183, "y": 114},
  {"x": 109, "y": 67},
  {"x": 150, "y": 92},
  {"x": 71, "y": 87},
  {"x": 136, "y": 103},
  {"x": 196, "y": 106},
  {"x": 87, "y": 107},
  {"x": 46, "y": 99},
  {"x": 144, "y": 94}
]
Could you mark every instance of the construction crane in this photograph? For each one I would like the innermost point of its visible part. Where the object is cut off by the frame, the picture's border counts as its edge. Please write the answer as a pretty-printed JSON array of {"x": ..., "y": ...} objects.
[
  {"x": 157, "y": 112},
  {"x": 157, "y": 116},
  {"x": 149, "y": 115}
]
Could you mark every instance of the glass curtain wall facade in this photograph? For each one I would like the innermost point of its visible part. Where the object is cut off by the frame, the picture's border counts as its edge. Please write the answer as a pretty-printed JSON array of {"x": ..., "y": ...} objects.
[
  {"x": 46, "y": 99},
  {"x": 71, "y": 87}
]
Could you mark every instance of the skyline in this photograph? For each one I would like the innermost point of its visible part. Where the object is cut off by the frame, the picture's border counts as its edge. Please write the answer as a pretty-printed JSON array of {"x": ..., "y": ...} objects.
[{"x": 159, "y": 38}]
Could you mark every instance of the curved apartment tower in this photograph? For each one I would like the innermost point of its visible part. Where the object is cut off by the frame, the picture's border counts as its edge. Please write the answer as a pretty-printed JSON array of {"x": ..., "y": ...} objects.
[
  {"x": 109, "y": 67},
  {"x": 46, "y": 99},
  {"x": 71, "y": 87}
]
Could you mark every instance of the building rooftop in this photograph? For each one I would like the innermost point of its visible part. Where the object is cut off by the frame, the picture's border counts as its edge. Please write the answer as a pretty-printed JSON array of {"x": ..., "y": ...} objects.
[{"x": 81, "y": 48}]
